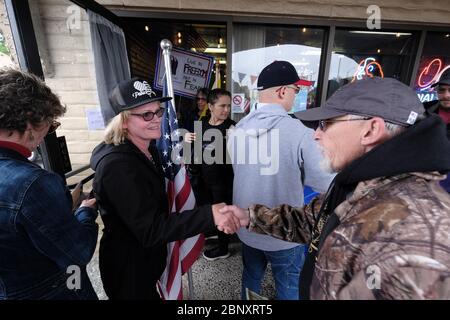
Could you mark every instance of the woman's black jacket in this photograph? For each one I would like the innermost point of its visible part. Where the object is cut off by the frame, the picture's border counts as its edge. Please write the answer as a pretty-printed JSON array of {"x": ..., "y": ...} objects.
[{"x": 131, "y": 195}]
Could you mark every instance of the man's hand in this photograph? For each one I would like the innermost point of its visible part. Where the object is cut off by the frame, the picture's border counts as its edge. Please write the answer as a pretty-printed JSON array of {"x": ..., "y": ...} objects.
[
  {"x": 241, "y": 214},
  {"x": 225, "y": 222}
]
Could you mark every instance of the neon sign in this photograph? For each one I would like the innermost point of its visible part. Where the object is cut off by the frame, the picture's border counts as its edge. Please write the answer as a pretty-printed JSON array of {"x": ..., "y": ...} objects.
[
  {"x": 367, "y": 67},
  {"x": 435, "y": 78},
  {"x": 432, "y": 70}
]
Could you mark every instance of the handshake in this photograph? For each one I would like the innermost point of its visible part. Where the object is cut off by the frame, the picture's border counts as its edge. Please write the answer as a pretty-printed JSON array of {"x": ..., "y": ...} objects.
[{"x": 229, "y": 219}]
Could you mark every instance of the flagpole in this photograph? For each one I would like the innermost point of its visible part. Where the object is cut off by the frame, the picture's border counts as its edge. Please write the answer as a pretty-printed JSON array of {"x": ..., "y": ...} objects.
[{"x": 166, "y": 47}]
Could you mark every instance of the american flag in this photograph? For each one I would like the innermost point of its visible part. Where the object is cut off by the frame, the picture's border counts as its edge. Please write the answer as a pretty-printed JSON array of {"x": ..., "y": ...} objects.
[{"x": 183, "y": 253}]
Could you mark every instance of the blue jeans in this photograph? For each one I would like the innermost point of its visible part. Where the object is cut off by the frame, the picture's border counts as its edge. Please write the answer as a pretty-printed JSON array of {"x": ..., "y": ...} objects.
[{"x": 286, "y": 267}]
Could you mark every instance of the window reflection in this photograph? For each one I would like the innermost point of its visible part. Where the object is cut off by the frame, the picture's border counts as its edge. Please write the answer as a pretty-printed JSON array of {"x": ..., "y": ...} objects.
[
  {"x": 258, "y": 46},
  {"x": 434, "y": 61},
  {"x": 361, "y": 54}
]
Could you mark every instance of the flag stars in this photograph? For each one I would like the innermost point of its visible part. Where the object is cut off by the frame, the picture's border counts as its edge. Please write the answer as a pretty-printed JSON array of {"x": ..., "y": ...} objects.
[
  {"x": 169, "y": 164},
  {"x": 167, "y": 136},
  {"x": 165, "y": 153}
]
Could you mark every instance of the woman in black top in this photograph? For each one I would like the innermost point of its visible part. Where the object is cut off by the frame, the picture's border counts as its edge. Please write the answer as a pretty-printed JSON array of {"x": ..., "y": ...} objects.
[{"x": 215, "y": 172}]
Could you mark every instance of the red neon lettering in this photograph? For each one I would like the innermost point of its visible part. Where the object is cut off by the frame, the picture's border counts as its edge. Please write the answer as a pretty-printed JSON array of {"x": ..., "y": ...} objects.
[{"x": 425, "y": 71}]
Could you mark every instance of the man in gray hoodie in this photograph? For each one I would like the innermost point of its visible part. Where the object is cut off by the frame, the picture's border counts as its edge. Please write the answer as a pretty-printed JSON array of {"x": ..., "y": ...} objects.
[{"x": 273, "y": 157}]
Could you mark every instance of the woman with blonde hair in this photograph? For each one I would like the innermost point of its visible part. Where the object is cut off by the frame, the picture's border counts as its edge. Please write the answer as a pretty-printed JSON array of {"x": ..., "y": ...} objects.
[{"x": 129, "y": 185}]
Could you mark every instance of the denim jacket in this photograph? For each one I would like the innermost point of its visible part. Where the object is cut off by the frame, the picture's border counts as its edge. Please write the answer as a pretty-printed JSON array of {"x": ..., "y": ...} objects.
[{"x": 44, "y": 248}]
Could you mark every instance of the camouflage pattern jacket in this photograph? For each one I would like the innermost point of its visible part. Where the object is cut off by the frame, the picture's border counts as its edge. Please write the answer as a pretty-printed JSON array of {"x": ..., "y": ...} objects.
[{"x": 393, "y": 241}]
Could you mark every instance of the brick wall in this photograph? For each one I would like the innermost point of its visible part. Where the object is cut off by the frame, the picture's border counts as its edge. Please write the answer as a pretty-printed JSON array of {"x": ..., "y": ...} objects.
[
  {"x": 67, "y": 59},
  {"x": 142, "y": 59}
]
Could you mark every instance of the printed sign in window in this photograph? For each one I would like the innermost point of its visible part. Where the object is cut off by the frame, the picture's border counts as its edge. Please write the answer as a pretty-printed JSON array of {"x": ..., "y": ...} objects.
[{"x": 190, "y": 71}]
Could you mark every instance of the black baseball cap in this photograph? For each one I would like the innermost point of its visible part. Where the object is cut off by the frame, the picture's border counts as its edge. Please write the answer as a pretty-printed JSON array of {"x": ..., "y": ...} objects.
[
  {"x": 133, "y": 93},
  {"x": 444, "y": 79},
  {"x": 279, "y": 73},
  {"x": 386, "y": 98}
]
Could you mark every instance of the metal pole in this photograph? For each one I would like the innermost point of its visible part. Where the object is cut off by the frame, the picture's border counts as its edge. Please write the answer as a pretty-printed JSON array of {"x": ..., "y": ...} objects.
[
  {"x": 166, "y": 47},
  {"x": 419, "y": 52},
  {"x": 191, "y": 285},
  {"x": 77, "y": 171}
]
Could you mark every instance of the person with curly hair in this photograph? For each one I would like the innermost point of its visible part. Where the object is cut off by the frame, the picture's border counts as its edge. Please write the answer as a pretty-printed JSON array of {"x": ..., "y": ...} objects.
[{"x": 44, "y": 248}]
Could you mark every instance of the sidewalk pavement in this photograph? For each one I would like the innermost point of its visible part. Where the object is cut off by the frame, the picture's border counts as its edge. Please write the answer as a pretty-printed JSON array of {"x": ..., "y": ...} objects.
[{"x": 212, "y": 280}]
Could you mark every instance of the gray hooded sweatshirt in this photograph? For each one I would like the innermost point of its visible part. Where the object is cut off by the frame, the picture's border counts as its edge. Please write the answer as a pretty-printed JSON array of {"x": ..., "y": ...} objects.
[{"x": 273, "y": 156}]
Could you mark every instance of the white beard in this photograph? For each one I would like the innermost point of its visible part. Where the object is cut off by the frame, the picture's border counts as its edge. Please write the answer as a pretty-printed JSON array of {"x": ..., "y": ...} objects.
[{"x": 325, "y": 163}]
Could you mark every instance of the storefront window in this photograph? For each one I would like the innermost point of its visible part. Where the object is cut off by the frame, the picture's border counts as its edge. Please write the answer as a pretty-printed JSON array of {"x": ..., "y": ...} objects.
[
  {"x": 256, "y": 46},
  {"x": 358, "y": 54},
  {"x": 434, "y": 61},
  {"x": 189, "y": 38},
  {"x": 204, "y": 38}
]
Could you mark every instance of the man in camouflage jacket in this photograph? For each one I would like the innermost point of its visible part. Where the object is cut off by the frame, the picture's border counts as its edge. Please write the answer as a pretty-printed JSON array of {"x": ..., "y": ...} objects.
[{"x": 382, "y": 229}]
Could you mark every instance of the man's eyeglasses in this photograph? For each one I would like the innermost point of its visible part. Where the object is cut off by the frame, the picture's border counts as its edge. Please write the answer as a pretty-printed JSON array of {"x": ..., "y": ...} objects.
[
  {"x": 323, "y": 123},
  {"x": 148, "y": 116},
  {"x": 296, "y": 89},
  {"x": 53, "y": 126}
]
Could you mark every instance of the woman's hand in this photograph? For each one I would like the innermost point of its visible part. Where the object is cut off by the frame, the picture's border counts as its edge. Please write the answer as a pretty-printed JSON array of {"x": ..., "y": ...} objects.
[
  {"x": 91, "y": 203},
  {"x": 189, "y": 137}
]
